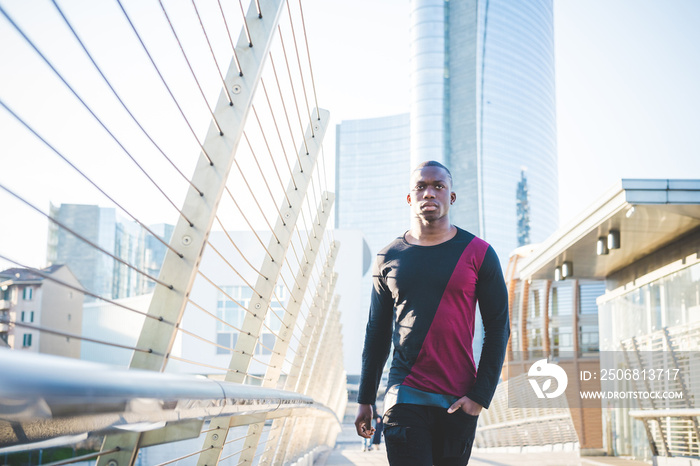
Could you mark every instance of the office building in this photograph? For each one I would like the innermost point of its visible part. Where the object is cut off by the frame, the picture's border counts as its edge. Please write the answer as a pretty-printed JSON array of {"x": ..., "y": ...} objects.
[
  {"x": 637, "y": 249},
  {"x": 372, "y": 170},
  {"x": 371, "y": 181},
  {"x": 102, "y": 227}
]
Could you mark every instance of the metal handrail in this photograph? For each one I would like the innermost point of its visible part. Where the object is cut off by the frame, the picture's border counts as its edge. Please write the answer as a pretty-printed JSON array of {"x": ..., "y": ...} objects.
[
  {"x": 657, "y": 413},
  {"x": 44, "y": 397}
]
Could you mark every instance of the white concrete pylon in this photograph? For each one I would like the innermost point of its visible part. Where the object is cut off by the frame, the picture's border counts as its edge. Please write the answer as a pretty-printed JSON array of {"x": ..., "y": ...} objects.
[
  {"x": 281, "y": 347},
  {"x": 314, "y": 317},
  {"x": 270, "y": 273},
  {"x": 322, "y": 303},
  {"x": 168, "y": 304}
]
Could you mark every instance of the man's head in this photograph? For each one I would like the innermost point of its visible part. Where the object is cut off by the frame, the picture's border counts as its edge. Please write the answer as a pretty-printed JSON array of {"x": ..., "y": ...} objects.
[{"x": 431, "y": 191}]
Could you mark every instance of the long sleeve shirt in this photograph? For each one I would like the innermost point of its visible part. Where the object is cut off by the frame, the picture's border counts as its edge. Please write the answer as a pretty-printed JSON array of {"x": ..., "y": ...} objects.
[{"x": 424, "y": 299}]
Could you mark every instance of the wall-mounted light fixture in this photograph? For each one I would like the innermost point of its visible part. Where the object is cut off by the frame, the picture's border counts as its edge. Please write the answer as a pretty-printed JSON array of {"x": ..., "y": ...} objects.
[
  {"x": 602, "y": 246},
  {"x": 567, "y": 269},
  {"x": 557, "y": 274},
  {"x": 614, "y": 239}
]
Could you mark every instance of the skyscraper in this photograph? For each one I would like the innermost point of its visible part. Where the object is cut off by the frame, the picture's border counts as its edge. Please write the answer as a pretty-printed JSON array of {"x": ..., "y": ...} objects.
[
  {"x": 483, "y": 102},
  {"x": 372, "y": 167},
  {"x": 98, "y": 272},
  {"x": 523, "y": 211},
  {"x": 371, "y": 184}
]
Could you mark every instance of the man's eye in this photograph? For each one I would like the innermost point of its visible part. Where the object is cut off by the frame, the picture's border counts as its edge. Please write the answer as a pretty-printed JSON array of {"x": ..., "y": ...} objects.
[{"x": 439, "y": 186}]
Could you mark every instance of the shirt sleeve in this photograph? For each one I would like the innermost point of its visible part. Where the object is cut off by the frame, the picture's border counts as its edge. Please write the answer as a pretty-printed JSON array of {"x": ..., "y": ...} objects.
[
  {"x": 377, "y": 337},
  {"x": 492, "y": 296}
]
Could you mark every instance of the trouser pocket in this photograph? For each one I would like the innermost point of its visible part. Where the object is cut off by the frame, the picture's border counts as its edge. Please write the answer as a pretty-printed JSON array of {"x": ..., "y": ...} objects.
[
  {"x": 459, "y": 430},
  {"x": 407, "y": 446}
]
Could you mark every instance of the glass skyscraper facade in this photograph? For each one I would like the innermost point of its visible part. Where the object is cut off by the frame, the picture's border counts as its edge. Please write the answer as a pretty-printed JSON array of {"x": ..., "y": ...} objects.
[
  {"x": 372, "y": 169},
  {"x": 97, "y": 272},
  {"x": 483, "y": 102}
]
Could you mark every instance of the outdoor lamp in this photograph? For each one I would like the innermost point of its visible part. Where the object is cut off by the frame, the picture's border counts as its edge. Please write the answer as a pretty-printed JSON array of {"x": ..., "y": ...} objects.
[
  {"x": 557, "y": 274},
  {"x": 614, "y": 239},
  {"x": 602, "y": 246},
  {"x": 567, "y": 269}
]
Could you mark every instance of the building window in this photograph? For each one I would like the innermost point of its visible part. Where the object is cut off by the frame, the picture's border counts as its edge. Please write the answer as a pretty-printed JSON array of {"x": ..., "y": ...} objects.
[
  {"x": 588, "y": 342},
  {"x": 28, "y": 293},
  {"x": 27, "y": 340},
  {"x": 232, "y": 313},
  {"x": 562, "y": 300},
  {"x": 31, "y": 316},
  {"x": 21, "y": 319},
  {"x": 226, "y": 340},
  {"x": 588, "y": 293},
  {"x": 275, "y": 316},
  {"x": 231, "y": 308}
]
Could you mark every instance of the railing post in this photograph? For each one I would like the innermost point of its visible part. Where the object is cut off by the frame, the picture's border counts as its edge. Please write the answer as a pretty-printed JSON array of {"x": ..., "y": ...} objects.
[
  {"x": 304, "y": 353},
  {"x": 647, "y": 427},
  {"x": 687, "y": 395},
  {"x": 271, "y": 269},
  {"x": 168, "y": 304},
  {"x": 281, "y": 346},
  {"x": 321, "y": 372},
  {"x": 293, "y": 445}
]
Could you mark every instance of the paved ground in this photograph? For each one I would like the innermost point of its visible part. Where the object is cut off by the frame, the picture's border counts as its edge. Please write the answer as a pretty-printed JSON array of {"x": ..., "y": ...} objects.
[{"x": 348, "y": 451}]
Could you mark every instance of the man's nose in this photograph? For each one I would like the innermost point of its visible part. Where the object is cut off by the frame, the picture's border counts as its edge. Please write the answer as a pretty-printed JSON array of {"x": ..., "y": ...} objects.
[{"x": 429, "y": 193}]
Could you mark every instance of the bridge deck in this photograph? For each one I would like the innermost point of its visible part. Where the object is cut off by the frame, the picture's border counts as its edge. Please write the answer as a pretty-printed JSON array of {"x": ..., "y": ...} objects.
[{"x": 348, "y": 451}]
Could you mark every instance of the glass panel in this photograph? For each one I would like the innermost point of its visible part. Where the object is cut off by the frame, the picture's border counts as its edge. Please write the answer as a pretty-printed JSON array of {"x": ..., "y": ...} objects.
[
  {"x": 588, "y": 293},
  {"x": 562, "y": 302},
  {"x": 223, "y": 339}
]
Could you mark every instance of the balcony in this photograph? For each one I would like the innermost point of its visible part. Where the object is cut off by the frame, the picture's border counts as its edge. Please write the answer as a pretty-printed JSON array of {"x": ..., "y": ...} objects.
[
  {"x": 4, "y": 328},
  {"x": 4, "y": 304}
]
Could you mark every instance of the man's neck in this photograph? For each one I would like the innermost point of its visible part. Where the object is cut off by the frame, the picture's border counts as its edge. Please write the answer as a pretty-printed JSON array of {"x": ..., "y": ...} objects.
[{"x": 430, "y": 234}]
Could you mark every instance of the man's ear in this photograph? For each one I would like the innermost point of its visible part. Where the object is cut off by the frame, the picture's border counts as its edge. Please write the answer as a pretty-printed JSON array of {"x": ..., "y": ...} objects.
[
  {"x": 453, "y": 197},
  {"x": 408, "y": 199}
]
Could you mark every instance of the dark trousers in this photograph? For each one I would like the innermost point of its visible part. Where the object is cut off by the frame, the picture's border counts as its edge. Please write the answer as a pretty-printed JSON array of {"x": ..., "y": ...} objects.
[{"x": 417, "y": 435}]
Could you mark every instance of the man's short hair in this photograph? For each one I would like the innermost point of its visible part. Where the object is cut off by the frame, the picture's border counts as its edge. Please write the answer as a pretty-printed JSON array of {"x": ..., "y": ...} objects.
[{"x": 433, "y": 163}]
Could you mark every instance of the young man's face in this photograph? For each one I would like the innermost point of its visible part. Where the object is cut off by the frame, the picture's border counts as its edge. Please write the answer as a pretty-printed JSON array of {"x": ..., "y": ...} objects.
[{"x": 431, "y": 193}]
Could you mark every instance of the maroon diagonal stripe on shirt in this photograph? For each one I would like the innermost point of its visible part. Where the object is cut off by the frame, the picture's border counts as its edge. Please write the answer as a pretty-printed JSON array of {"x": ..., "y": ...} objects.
[{"x": 445, "y": 363}]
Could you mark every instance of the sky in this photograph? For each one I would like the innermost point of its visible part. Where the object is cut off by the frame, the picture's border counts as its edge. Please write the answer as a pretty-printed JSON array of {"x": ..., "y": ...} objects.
[{"x": 626, "y": 75}]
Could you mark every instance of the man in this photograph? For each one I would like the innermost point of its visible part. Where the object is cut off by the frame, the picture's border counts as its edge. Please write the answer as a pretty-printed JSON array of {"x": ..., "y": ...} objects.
[{"x": 427, "y": 283}]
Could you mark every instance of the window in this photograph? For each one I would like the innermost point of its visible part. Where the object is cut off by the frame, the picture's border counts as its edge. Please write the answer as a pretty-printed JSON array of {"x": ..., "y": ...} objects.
[
  {"x": 588, "y": 342},
  {"x": 588, "y": 293},
  {"x": 562, "y": 301},
  {"x": 561, "y": 341},
  {"x": 265, "y": 346},
  {"x": 27, "y": 340},
  {"x": 22, "y": 318},
  {"x": 231, "y": 307},
  {"x": 28, "y": 293},
  {"x": 31, "y": 316},
  {"x": 226, "y": 339},
  {"x": 232, "y": 313}
]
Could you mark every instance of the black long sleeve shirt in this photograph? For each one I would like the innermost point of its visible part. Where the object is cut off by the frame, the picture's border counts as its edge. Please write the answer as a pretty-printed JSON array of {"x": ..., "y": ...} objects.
[{"x": 424, "y": 298}]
